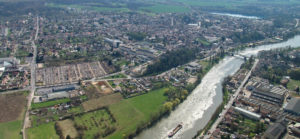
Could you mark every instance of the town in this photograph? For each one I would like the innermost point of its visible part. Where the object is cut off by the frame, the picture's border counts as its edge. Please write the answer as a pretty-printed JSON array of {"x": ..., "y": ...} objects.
[{"x": 75, "y": 73}]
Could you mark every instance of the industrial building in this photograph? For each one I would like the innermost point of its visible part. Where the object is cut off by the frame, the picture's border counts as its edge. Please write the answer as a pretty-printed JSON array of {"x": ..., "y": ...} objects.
[
  {"x": 248, "y": 114},
  {"x": 266, "y": 92},
  {"x": 58, "y": 95},
  {"x": 293, "y": 106},
  {"x": 46, "y": 91},
  {"x": 276, "y": 131}
]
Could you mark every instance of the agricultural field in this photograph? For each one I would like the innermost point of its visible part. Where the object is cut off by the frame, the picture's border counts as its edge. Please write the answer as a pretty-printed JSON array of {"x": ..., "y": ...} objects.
[
  {"x": 90, "y": 125},
  {"x": 67, "y": 128},
  {"x": 94, "y": 124},
  {"x": 12, "y": 111},
  {"x": 101, "y": 102},
  {"x": 46, "y": 131},
  {"x": 168, "y": 6},
  {"x": 133, "y": 112},
  {"x": 162, "y": 8},
  {"x": 11, "y": 130}
]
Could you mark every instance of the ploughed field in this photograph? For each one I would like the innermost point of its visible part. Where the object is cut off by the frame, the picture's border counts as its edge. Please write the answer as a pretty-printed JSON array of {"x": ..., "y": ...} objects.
[{"x": 11, "y": 116}]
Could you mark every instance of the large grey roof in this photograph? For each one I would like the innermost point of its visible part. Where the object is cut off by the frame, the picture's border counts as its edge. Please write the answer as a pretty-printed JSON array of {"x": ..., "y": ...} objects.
[{"x": 294, "y": 105}]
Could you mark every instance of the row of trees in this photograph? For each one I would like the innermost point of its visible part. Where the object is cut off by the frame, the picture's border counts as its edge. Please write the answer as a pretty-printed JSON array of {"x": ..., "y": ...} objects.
[{"x": 245, "y": 37}]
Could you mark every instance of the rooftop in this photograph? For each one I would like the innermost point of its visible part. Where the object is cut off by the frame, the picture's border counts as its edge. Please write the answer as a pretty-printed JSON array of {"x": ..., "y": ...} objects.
[{"x": 294, "y": 105}]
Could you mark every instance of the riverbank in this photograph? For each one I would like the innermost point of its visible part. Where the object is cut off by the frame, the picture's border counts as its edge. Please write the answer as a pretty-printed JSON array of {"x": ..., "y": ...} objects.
[
  {"x": 226, "y": 97},
  {"x": 197, "y": 110}
]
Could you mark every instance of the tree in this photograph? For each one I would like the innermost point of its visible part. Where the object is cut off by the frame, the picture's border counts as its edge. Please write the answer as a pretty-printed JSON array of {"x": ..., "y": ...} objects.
[{"x": 168, "y": 106}]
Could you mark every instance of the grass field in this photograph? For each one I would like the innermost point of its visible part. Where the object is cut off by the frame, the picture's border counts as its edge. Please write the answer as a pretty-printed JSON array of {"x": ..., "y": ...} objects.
[
  {"x": 46, "y": 131},
  {"x": 162, "y": 8},
  {"x": 89, "y": 6},
  {"x": 293, "y": 84},
  {"x": 49, "y": 103},
  {"x": 101, "y": 102},
  {"x": 11, "y": 130},
  {"x": 129, "y": 113},
  {"x": 95, "y": 124}
]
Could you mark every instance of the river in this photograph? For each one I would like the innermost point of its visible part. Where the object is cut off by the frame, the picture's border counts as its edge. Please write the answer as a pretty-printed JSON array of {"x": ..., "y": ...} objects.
[
  {"x": 237, "y": 15},
  {"x": 195, "y": 112}
]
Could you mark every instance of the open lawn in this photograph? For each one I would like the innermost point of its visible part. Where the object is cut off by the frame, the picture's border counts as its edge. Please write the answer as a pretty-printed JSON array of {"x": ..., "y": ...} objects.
[
  {"x": 93, "y": 104},
  {"x": 130, "y": 113},
  {"x": 49, "y": 103},
  {"x": 46, "y": 131},
  {"x": 11, "y": 130}
]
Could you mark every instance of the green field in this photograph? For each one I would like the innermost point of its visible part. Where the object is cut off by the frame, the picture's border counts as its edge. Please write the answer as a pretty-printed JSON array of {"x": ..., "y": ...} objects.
[
  {"x": 46, "y": 131},
  {"x": 163, "y": 8},
  {"x": 89, "y": 6},
  {"x": 11, "y": 130},
  {"x": 130, "y": 113},
  {"x": 49, "y": 103},
  {"x": 293, "y": 84},
  {"x": 95, "y": 123}
]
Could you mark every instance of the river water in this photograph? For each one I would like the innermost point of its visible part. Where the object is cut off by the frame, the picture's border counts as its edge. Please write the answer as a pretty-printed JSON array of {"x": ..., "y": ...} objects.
[
  {"x": 237, "y": 15},
  {"x": 195, "y": 112}
]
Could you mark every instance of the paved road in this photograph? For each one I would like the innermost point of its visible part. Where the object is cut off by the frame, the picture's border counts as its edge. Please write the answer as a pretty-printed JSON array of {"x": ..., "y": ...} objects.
[
  {"x": 26, "y": 123},
  {"x": 229, "y": 104}
]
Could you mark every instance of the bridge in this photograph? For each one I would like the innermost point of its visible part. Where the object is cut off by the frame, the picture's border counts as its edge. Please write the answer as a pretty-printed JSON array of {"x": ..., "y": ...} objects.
[{"x": 239, "y": 55}]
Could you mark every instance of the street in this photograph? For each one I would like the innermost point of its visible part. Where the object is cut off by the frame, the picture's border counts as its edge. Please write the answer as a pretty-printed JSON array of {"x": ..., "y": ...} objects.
[{"x": 32, "y": 81}]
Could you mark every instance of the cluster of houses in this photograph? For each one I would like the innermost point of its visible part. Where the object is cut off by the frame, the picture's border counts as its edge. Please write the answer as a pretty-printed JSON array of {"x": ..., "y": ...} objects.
[{"x": 12, "y": 76}]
